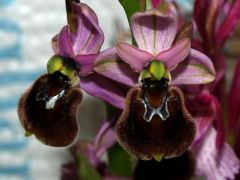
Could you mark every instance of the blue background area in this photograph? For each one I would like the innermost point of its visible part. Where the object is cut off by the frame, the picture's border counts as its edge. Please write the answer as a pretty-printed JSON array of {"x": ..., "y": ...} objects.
[{"x": 13, "y": 52}]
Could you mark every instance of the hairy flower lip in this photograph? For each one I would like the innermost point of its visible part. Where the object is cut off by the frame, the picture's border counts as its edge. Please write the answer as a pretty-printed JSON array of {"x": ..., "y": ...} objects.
[
  {"x": 142, "y": 146},
  {"x": 54, "y": 127}
]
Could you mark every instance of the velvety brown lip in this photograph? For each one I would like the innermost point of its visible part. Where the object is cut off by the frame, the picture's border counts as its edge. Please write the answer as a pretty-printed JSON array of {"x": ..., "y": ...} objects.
[
  {"x": 169, "y": 138},
  {"x": 57, "y": 124}
]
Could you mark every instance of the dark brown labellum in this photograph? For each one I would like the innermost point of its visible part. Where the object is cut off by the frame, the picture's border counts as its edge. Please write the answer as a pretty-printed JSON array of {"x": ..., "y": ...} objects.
[
  {"x": 48, "y": 109},
  {"x": 155, "y": 121}
]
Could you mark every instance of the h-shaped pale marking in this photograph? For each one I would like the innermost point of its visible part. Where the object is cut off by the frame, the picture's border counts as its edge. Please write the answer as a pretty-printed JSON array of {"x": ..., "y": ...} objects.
[
  {"x": 49, "y": 101},
  {"x": 161, "y": 111}
]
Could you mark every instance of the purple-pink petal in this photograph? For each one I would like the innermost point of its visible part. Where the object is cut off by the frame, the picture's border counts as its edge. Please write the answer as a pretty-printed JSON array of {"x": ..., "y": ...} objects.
[
  {"x": 64, "y": 42},
  {"x": 105, "y": 89},
  {"x": 196, "y": 69},
  {"x": 153, "y": 31},
  {"x": 89, "y": 37},
  {"x": 175, "y": 54},
  {"x": 85, "y": 63},
  {"x": 109, "y": 64},
  {"x": 136, "y": 58},
  {"x": 214, "y": 163}
]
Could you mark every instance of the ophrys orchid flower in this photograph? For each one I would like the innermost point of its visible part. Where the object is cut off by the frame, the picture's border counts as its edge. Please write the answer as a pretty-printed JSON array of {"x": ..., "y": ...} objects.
[
  {"x": 48, "y": 109},
  {"x": 155, "y": 122}
]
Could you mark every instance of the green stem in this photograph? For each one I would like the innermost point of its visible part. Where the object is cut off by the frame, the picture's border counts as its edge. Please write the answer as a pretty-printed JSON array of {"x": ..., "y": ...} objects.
[
  {"x": 71, "y": 18},
  {"x": 143, "y": 5}
]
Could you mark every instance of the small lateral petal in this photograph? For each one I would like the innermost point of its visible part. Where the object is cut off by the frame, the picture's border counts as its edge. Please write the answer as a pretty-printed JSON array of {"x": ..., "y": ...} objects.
[
  {"x": 196, "y": 69},
  {"x": 135, "y": 57},
  {"x": 110, "y": 65},
  {"x": 175, "y": 54}
]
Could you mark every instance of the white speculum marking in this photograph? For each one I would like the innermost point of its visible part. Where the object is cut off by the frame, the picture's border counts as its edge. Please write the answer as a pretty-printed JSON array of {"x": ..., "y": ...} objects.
[
  {"x": 52, "y": 100},
  {"x": 49, "y": 101},
  {"x": 161, "y": 111}
]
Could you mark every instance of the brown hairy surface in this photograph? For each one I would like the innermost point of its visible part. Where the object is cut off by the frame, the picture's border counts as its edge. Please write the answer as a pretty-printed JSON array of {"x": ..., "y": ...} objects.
[
  {"x": 169, "y": 138},
  {"x": 54, "y": 127}
]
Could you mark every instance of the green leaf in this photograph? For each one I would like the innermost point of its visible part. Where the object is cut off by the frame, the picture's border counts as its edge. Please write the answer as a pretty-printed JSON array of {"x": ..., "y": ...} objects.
[
  {"x": 120, "y": 162},
  {"x": 132, "y": 6},
  {"x": 86, "y": 170}
]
